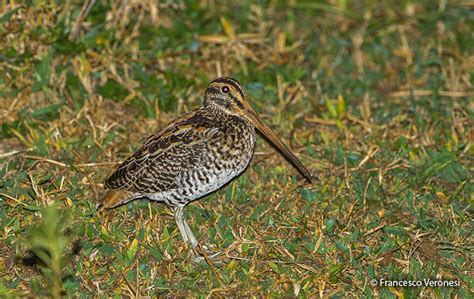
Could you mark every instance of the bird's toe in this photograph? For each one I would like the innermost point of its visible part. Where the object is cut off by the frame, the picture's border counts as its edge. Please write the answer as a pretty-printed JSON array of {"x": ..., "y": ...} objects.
[{"x": 200, "y": 253}]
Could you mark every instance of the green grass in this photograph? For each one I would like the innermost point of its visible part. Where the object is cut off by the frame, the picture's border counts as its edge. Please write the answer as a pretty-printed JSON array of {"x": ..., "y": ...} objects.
[{"x": 376, "y": 99}]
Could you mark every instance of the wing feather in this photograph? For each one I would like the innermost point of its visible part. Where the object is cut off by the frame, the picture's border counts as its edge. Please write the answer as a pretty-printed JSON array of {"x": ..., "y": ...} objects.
[{"x": 157, "y": 164}]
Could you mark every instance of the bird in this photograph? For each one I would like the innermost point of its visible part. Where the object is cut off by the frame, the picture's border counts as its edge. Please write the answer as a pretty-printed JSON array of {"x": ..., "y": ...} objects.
[{"x": 195, "y": 155}]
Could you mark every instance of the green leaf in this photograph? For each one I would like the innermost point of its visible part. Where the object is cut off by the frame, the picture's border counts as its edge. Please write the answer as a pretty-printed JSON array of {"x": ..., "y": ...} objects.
[
  {"x": 331, "y": 108},
  {"x": 309, "y": 195},
  {"x": 42, "y": 73},
  {"x": 330, "y": 224},
  {"x": 334, "y": 271},
  {"x": 132, "y": 250},
  {"x": 341, "y": 106},
  {"x": 6, "y": 16},
  {"x": 112, "y": 90},
  {"x": 106, "y": 249},
  {"x": 274, "y": 267},
  {"x": 155, "y": 253}
]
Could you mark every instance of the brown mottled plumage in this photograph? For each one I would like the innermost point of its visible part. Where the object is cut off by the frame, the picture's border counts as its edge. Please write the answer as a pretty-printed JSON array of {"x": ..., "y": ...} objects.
[{"x": 194, "y": 155}]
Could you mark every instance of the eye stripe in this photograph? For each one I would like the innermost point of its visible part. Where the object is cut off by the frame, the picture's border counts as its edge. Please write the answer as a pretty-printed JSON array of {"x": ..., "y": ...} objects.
[{"x": 213, "y": 89}]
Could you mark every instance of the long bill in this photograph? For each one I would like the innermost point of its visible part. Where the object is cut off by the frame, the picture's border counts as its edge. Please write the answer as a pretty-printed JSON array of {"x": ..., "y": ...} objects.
[{"x": 253, "y": 117}]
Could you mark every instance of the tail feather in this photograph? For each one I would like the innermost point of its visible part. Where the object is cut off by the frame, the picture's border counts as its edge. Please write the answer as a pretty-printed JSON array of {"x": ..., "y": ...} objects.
[{"x": 115, "y": 198}]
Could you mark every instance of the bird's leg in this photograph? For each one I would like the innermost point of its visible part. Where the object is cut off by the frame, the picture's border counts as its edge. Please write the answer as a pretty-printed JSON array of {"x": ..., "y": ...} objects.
[
  {"x": 180, "y": 221},
  {"x": 192, "y": 239},
  {"x": 188, "y": 235},
  {"x": 194, "y": 244}
]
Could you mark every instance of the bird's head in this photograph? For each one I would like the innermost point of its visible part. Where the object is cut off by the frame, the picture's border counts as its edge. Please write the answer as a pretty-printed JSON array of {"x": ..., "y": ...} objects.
[{"x": 227, "y": 94}]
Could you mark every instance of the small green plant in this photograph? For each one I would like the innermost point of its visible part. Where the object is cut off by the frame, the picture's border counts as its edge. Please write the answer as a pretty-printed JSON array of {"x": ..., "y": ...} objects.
[{"x": 47, "y": 244}]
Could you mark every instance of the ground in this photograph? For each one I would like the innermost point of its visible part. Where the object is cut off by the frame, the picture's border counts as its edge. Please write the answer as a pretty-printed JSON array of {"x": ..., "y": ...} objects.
[{"x": 376, "y": 99}]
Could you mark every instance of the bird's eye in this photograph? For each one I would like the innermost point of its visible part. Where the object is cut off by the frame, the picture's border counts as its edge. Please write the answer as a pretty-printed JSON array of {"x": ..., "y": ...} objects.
[{"x": 225, "y": 89}]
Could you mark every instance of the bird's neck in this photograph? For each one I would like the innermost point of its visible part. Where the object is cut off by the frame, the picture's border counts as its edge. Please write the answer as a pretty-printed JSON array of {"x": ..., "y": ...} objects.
[
  {"x": 219, "y": 113},
  {"x": 216, "y": 108}
]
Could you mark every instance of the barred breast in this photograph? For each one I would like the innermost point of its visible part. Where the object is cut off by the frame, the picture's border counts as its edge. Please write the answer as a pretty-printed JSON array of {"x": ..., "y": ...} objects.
[{"x": 213, "y": 164}]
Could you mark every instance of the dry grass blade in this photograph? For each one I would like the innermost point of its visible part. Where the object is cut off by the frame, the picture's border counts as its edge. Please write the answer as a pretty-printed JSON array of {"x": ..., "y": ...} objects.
[{"x": 86, "y": 8}]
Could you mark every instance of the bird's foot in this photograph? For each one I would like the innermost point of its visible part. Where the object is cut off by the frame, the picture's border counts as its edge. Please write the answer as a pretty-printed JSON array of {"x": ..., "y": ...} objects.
[{"x": 201, "y": 252}]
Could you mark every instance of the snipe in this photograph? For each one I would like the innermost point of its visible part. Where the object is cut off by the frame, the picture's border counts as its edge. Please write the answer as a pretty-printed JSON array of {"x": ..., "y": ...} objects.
[{"x": 194, "y": 155}]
